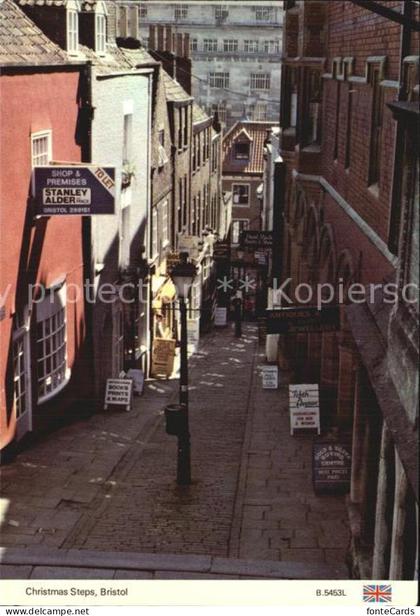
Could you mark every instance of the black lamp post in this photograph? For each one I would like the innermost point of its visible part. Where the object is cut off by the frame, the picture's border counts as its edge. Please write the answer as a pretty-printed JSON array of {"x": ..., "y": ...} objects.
[{"x": 183, "y": 275}]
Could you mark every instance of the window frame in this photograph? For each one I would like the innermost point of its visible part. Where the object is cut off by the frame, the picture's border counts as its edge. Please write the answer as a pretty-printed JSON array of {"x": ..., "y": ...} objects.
[
  {"x": 180, "y": 11},
  {"x": 72, "y": 34},
  {"x": 230, "y": 45},
  {"x": 43, "y": 134},
  {"x": 244, "y": 228},
  {"x": 210, "y": 45},
  {"x": 255, "y": 45},
  {"x": 260, "y": 82},
  {"x": 235, "y": 150},
  {"x": 248, "y": 187},
  {"x": 219, "y": 79},
  {"x": 100, "y": 33}
]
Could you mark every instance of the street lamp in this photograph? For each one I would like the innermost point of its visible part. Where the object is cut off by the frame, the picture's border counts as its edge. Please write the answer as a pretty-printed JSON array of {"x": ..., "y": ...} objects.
[{"x": 183, "y": 276}]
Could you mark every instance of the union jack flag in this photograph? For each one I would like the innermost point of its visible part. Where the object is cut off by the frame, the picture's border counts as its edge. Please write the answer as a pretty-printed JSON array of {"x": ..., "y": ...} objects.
[{"x": 374, "y": 593}]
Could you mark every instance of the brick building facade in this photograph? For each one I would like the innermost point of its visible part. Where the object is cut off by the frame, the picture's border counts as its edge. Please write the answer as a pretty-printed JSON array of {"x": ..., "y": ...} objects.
[{"x": 341, "y": 208}]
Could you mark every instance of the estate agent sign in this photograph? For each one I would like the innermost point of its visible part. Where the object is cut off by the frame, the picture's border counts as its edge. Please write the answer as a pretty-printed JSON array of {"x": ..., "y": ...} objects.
[
  {"x": 304, "y": 407},
  {"x": 331, "y": 464},
  {"x": 301, "y": 319},
  {"x": 119, "y": 392},
  {"x": 84, "y": 190}
]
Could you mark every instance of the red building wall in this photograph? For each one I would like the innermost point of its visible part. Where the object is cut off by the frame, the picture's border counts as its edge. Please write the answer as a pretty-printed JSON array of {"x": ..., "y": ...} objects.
[{"x": 42, "y": 250}]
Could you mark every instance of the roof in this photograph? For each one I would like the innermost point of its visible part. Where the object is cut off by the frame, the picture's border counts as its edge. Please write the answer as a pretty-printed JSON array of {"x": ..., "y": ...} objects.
[
  {"x": 174, "y": 91},
  {"x": 257, "y": 134},
  {"x": 22, "y": 43}
]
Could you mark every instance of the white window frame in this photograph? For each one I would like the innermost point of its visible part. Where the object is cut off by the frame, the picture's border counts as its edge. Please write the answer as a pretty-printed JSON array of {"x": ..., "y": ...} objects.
[
  {"x": 260, "y": 82},
  {"x": 230, "y": 45},
  {"x": 237, "y": 204},
  {"x": 22, "y": 374},
  {"x": 271, "y": 46},
  {"x": 194, "y": 44},
  {"x": 164, "y": 220},
  {"x": 72, "y": 30},
  {"x": 236, "y": 234},
  {"x": 251, "y": 46},
  {"x": 219, "y": 79},
  {"x": 210, "y": 45},
  {"x": 46, "y": 154},
  {"x": 100, "y": 33},
  {"x": 155, "y": 234},
  {"x": 221, "y": 12},
  {"x": 54, "y": 343},
  {"x": 264, "y": 14},
  {"x": 180, "y": 11}
]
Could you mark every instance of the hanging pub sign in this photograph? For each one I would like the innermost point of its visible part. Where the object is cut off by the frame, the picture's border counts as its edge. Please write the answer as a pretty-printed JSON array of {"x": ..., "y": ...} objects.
[
  {"x": 331, "y": 466},
  {"x": 221, "y": 250},
  {"x": 256, "y": 239},
  {"x": 163, "y": 356},
  {"x": 119, "y": 392},
  {"x": 304, "y": 407},
  {"x": 270, "y": 377},
  {"x": 84, "y": 190},
  {"x": 299, "y": 319}
]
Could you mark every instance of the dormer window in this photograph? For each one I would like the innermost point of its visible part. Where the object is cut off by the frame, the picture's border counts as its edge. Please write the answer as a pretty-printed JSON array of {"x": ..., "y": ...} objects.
[
  {"x": 72, "y": 31},
  {"x": 100, "y": 34},
  {"x": 242, "y": 150}
]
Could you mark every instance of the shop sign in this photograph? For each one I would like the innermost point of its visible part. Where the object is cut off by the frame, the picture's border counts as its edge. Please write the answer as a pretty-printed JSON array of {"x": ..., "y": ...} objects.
[
  {"x": 270, "y": 377},
  {"x": 304, "y": 407},
  {"x": 163, "y": 354},
  {"x": 260, "y": 257},
  {"x": 303, "y": 320},
  {"x": 119, "y": 392},
  {"x": 331, "y": 466},
  {"x": 221, "y": 250},
  {"x": 172, "y": 259},
  {"x": 220, "y": 317},
  {"x": 193, "y": 334},
  {"x": 256, "y": 239},
  {"x": 84, "y": 190}
]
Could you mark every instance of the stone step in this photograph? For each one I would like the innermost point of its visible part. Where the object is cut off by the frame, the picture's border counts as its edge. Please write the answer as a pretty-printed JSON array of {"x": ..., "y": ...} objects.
[{"x": 154, "y": 563}]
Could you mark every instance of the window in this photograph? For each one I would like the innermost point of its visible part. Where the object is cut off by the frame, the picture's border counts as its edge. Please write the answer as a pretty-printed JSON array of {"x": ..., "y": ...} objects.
[
  {"x": 220, "y": 109},
  {"x": 260, "y": 112},
  {"x": 349, "y": 129},
  {"x": 51, "y": 343},
  {"x": 241, "y": 150},
  {"x": 72, "y": 31},
  {"x": 219, "y": 80},
  {"x": 181, "y": 11},
  {"x": 193, "y": 44},
  {"x": 100, "y": 33},
  {"x": 311, "y": 115},
  {"x": 240, "y": 194},
  {"x": 143, "y": 11},
  {"x": 127, "y": 138},
  {"x": 21, "y": 366},
  {"x": 41, "y": 148},
  {"x": 376, "y": 130},
  {"x": 163, "y": 158},
  {"x": 264, "y": 13},
  {"x": 337, "y": 120},
  {"x": 271, "y": 47},
  {"x": 164, "y": 223},
  {"x": 210, "y": 44},
  {"x": 230, "y": 45},
  {"x": 260, "y": 81},
  {"x": 221, "y": 12},
  {"x": 154, "y": 233},
  {"x": 251, "y": 46},
  {"x": 237, "y": 227}
]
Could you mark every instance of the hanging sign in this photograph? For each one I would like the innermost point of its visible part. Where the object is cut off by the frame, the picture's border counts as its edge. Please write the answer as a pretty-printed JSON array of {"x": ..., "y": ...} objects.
[
  {"x": 221, "y": 250},
  {"x": 84, "y": 190},
  {"x": 220, "y": 317},
  {"x": 270, "y": 377},
  {"x": 163, "y": 354},
  {"x": 301, "y": 319},
  {"x": 331, "y": 466},
  {"x": 119, "y": 392},
  {"x": 256, "y": 239},
  {"x": 304, "y": 407}
]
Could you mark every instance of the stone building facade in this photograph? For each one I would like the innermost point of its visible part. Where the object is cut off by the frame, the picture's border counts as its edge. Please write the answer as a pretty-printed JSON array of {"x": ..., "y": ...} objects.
[
  {"x": 345, "y": 203},
  {"x": 235, "y": 50}
]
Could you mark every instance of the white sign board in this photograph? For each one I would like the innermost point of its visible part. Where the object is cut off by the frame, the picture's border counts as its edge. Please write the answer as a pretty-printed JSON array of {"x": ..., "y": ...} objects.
[
  {"x": 119, "y": 392},
  {"x": 220, "y": 317},
  {"x": 193, "y": 329},
  {"x": 304, "y": 407},
  {"x": 138, "y": 380},
  {"x": 189, "y": 244},
  {"x": 270, "y": 377}
]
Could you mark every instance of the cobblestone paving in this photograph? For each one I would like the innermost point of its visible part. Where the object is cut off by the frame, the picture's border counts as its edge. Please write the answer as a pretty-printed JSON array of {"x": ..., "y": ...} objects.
[{"x": 109, "y": 483}]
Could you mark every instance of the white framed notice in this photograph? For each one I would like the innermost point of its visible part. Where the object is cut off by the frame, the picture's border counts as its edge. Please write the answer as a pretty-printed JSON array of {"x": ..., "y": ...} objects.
[
  {"x": 270, "y": 377},
  {"x": 220, "y": 317},
  {"x": 304, "y": 407},
  {"x": 119, "y": 392}
]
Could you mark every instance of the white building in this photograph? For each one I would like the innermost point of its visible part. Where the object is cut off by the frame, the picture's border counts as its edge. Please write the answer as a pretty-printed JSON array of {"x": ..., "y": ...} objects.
[{"x": 235, "y": 48}]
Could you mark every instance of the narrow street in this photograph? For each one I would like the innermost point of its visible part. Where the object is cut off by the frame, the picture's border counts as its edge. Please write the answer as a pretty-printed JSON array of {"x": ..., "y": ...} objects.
[{"x": 108, "y": 484}]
